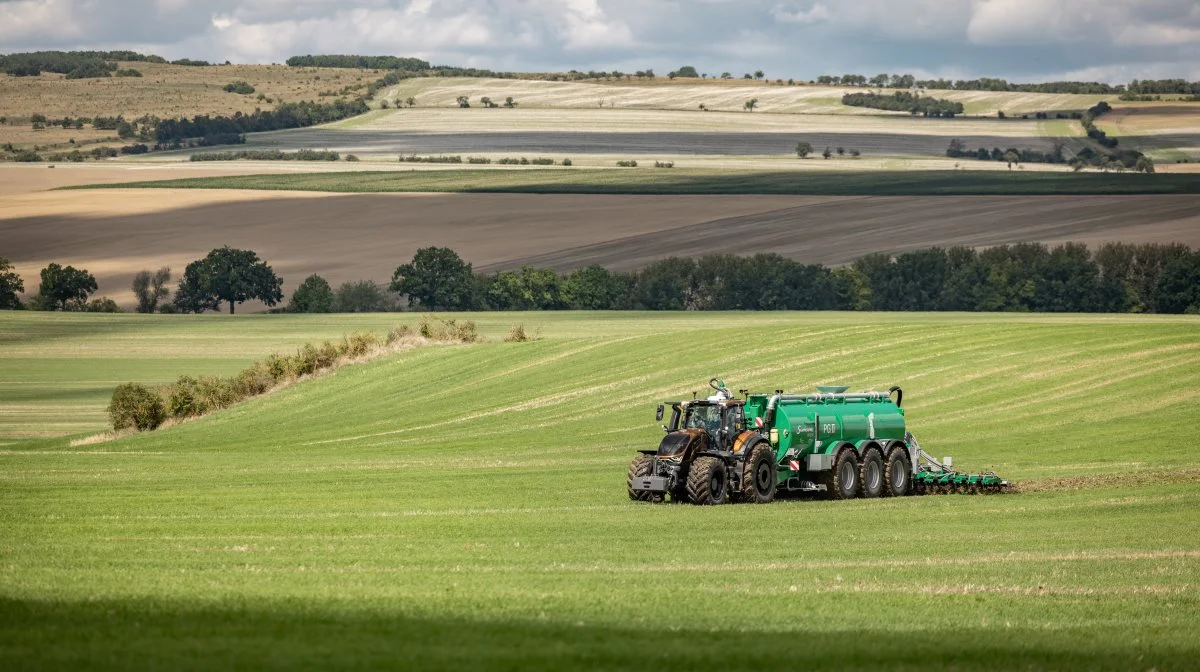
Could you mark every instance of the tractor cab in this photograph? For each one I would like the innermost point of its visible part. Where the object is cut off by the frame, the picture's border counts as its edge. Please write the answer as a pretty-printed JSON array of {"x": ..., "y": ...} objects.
[{"x": 720, "y": 416}]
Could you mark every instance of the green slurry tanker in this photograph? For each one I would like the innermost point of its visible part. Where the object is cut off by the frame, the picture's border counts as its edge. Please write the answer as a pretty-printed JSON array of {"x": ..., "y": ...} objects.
[{"x": 833, "y": 443}]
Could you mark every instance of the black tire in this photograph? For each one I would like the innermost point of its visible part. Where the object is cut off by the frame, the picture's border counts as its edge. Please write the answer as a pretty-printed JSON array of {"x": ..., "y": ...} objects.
[
  {"x": 897, "y": 474},
  {"x": 640, "y": 467},
  {"x": 842, "y": 481},
  {"x": 759, "y": 476},
  {"x": 707, "y": 481},
  {"x": 870, "y": 474}
]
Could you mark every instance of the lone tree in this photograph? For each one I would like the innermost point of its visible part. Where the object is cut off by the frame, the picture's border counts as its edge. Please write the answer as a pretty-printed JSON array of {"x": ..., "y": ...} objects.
[
  {"x": 150, "y": 288},
  {"x": 65, "y": 288},
  {"x": 314, "y": 295},
  {"x": 687, "y": 71},
  {"x": 751, "y": 104},
  {"x": 758, "y": 74},
  {"x": 827, "y": 153},
  {"x": 463, "y": 101},
  {"x": 436, "y": 279},
  {"x": 803, "y": 149},
  {"x": 228, "y": 275},
  {"x": 10, "y": 285}
]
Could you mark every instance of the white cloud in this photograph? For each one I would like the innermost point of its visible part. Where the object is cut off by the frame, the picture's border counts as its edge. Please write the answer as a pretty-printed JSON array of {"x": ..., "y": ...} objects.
[
  {"x": 790, "y": 13},
  {"x": 1016, "y": 39},
  {"x": 31, "y": 19}
]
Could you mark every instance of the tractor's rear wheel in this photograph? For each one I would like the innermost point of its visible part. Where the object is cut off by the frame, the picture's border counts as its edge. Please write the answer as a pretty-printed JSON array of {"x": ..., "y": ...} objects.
[
  {"x": 641, "y": 466},
  {"x": 898, "y": 472},
  {"x": 759, "y": 476},
  {"x": 707, "y": 481},
  {"x": 870, "y": 474},
  {"x": 842, "y": 482}
]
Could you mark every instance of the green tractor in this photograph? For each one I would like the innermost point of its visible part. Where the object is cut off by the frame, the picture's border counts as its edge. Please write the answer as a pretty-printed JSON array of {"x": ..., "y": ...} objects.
[{"x": 832, "y": 443}]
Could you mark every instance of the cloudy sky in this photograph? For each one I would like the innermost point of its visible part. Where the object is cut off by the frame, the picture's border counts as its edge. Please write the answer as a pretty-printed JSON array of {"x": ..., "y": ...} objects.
[{"x": 1026, "y": 40}]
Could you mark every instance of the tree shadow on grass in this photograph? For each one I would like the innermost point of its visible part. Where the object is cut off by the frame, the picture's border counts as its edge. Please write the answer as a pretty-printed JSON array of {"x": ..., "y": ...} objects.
[{"x": 177, "y": 635}]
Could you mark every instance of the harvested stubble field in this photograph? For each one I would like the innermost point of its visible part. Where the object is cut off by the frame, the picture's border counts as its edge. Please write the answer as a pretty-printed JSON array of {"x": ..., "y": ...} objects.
[
  {"x": 464, "y": 506},
  {"x": 171, "y": 91},
  {"x": 1165, "y": 132},
  {"x": 716, "y": 95},
  {"x": 659, "y": 133}
]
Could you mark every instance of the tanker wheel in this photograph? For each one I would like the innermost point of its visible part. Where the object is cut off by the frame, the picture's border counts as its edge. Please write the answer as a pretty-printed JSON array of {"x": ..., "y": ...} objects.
[
  {"x": 870, "y": 474},
  {"x": 842, "y": 482},
  {"x": 759, "y": 476},
  {"x": 641, "y": 466},
  {"x": 898, "y": 474},
  {"x": 707, "y": 481}
]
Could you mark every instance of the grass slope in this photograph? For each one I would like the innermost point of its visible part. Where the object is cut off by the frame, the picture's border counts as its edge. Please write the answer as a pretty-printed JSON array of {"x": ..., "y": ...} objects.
[
  {"x": 692, "y": 181},
  {"x": 456, "y": 505}
]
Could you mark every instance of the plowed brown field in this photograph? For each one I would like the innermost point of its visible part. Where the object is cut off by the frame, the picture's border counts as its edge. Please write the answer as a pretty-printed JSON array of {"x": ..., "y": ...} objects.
[{"x": 116, "y": 233}]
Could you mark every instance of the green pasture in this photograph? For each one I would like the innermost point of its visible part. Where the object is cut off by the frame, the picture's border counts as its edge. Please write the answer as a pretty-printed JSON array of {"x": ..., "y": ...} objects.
[
  {"x": 694, "y": 181},
  {"x": 463, "y": 506}
]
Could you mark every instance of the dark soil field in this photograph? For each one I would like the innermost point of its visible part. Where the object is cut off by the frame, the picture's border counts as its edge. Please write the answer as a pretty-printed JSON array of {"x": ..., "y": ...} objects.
[
  {"x": 365, "y": 236},
  {"x": 639, "y": 144},
  {"x": 839, "y": 231}
]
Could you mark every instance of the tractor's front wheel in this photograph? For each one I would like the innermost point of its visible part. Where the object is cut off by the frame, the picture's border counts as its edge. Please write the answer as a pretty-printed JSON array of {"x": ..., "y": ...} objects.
[
  {"x": 842, "y": 482},
  {"x": 641, "y": 466},
  {"x": 759, "y": 476},
  {"x": 707, "y": 481}
]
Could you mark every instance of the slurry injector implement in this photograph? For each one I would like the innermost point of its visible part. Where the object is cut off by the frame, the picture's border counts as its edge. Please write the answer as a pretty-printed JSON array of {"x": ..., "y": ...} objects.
[{"x": 837, "y": 444}]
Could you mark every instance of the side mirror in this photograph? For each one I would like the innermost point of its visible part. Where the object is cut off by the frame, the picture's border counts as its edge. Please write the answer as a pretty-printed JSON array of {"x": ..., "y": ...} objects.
[{"x": 659, "y": 414}]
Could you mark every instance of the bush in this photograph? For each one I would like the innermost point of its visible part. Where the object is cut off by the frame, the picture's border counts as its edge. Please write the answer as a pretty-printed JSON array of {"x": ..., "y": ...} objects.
[
  {"x": 136, "y": 406},
  {"x": 566, "y": 162},
  {"x": 413, "y": 158},
  {"x": 192, "y": 397},
  {"x": 627, "y": 164},
  {"x": 437, "y": 329},
  {"x": 664, "y": 164},
  {"x": 239, "y": 87},
  {"x": 518, "y": 335},
  {"x": 130, "y": 72},
  {"x": 358, "y": 344},
  {"x": 478, "y": 160},
  {"x": 255, "y": 380},
  {"x": 101, "y": 305}
]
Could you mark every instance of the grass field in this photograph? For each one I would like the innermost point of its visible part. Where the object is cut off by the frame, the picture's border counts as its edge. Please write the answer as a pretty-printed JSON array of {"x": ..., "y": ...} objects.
[
  {"x": 463, "y": 506},
  {"x": 683, "y": 181}
]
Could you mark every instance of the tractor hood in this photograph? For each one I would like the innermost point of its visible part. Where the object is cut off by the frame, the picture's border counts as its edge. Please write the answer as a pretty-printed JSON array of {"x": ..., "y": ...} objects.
[{"x": 678, "y": 444}]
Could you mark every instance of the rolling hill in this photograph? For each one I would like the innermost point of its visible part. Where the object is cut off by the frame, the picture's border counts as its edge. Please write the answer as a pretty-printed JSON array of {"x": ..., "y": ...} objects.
[{"x": 459, "y": 504}]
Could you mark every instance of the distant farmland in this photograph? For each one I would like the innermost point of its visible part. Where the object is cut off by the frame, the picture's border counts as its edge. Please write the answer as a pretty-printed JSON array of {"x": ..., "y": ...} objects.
[{"x": 365, "y": 236}]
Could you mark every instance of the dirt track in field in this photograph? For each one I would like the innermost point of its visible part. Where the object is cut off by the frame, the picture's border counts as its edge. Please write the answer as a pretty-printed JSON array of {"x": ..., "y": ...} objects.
[{"x": 115, "y": 233}]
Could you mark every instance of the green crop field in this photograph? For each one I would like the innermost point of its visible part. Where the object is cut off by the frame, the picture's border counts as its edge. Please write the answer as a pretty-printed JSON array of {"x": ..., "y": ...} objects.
[
  {"x": 463, "y": 506},
  {"x": 693, "y": 181}
]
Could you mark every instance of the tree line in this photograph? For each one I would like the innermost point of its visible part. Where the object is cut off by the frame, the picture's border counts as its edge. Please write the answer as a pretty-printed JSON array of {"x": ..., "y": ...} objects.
[
  {"x": 904, "y": 101},
  {"x": 73, "y": 64},
  {"x": 361, "y": 62},
  {"x": 287, "y": 115},
  {"x": 1025, "y": 277},
  {"x": 1029, "y": 277},
  {"x": 886, "y": 81}
]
